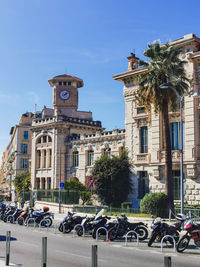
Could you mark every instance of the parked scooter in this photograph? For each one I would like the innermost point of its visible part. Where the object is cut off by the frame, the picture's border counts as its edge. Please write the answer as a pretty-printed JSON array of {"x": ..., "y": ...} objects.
[
  {"x": 161, "y": 229},
  {"x": 69, "y": 222},
  {"x": 193, "y": 232}
]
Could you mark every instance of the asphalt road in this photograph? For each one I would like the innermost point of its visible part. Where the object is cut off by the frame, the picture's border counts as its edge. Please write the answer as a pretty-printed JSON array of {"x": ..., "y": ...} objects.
[{"x": 64, "y": 250}]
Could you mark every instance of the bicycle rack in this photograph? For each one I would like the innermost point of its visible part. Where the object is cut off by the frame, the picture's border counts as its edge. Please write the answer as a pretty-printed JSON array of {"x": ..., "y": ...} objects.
[
  {"x": 98, "y": 232},
  {"x": 44, "y": 220},
  {"x": 171, "y": 238},
  {"x": 18, "y": 219},
  {"x": 126, "y": 237},
  {"x": 74, "y": 230},
  {"x": 55, "y": 227},
  {"x": 31, "y": 219}
]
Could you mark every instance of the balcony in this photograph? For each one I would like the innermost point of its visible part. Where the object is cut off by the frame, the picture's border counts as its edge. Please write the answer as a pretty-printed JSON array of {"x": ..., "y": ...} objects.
[
  {"x": 143, "y": 158},
  {"x": 175, "y": 156}
]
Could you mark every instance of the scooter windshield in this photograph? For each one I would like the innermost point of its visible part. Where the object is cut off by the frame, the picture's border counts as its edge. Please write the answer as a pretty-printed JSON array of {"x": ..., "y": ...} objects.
[{"x": 99, "y": 214}]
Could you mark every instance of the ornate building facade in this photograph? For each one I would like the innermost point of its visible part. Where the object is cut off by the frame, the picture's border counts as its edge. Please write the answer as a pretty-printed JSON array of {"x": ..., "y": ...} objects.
[{"x": 144, "y": 131}]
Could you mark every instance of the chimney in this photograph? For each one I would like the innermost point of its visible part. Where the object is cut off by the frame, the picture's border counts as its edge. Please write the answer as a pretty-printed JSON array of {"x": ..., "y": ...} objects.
[{"x": 132, "y": 62}]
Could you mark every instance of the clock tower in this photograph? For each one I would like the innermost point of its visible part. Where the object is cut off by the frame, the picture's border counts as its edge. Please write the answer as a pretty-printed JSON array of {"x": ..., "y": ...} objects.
[{"x": 65, "y": 94}]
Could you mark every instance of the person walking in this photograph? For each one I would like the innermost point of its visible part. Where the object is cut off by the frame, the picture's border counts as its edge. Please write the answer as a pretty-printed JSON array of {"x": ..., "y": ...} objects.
[{"x": 16, "y": 200}]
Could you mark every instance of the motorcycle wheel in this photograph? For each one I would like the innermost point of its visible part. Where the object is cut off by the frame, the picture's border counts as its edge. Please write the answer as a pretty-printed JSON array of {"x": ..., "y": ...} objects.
[
  {"x": 112, "y": 234},
  {"x": 20, "y": 221},
  {"x": 44, "y": 223},
  {"x": 94, "y": 234},
  {"x": 152, "y": 239},
  {"x": 60, "y": 228},
  {"x": 175, "y": 235},
  {"x": 183, "y": 244},
  {"x": 49, "y": 221},
  {"x": 79, "y": 231},
  {"x": 142, "y": 232},
  {"x": 11, "y": 220}
]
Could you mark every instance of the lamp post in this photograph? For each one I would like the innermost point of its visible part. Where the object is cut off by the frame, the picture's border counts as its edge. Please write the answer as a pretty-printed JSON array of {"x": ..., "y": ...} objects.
[
  {"x": 59, "y": 196},
  {"x": 180, "y": 99}
]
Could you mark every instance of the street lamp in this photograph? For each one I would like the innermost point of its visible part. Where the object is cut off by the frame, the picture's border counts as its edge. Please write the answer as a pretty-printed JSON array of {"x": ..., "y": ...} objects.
[{"x": 180, "y": 99}]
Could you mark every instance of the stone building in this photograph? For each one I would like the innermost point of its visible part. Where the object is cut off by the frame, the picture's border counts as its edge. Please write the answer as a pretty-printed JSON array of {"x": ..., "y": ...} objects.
[
  {"x": 144, "y": 131},
  {"x": 17, "y": 155},
  {"x": 53, "y": 132}
]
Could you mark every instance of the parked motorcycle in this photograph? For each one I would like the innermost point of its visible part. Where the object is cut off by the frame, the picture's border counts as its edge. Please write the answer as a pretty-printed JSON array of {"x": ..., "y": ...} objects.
[
  {"x": 23, "y": 216},
  {"x": 9, "y": 211},
  {"x": 91, "y": 224},
  {"x": 193, "y": 232},
  {"x": 69, "y": 222},
  {"x": 40, "y": 216},
  {"x": 161, "y": 229},
  {"x": 12, "y": 218},
  {"x": 122, "y": 227}
]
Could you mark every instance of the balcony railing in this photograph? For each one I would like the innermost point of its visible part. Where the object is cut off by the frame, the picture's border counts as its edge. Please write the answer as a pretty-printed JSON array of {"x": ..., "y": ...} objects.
[
  {"x": 175, "y": 155},
  {"x": 143, "y": 158}
]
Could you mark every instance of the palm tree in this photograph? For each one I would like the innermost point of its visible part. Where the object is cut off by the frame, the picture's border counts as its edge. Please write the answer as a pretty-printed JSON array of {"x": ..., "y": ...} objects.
[{"x": 165, "y": 66}]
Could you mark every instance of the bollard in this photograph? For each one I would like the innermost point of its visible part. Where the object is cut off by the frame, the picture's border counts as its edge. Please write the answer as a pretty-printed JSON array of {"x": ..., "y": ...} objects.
[
  {"x": 167, "y": 261},
  {"x": 94, "y": 255},
  {"x": 44, "y": 252},
  {"x": 7, "y": 248}
]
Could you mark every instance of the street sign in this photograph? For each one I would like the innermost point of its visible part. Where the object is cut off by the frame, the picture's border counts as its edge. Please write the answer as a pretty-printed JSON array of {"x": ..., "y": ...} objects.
[{"x": 62, "y": 185}]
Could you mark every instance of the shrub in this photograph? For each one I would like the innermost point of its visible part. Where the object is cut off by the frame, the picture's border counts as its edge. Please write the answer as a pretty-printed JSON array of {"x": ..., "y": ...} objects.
[
  {"x": 155, "y": 204},
  {"x": 126, "y": 205}
]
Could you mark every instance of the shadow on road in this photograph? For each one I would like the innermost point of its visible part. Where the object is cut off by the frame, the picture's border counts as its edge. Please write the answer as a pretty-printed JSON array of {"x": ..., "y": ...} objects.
[{"x": 3, "y": 238}]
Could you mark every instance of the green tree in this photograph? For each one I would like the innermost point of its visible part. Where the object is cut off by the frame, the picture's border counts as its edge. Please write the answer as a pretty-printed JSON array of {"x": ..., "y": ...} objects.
[
  {"x": 74, "y": 184},
  {"x": 165, "y": 66},
  {"x": 19, "y": 183},
  {"x": 111, "y": 176}
]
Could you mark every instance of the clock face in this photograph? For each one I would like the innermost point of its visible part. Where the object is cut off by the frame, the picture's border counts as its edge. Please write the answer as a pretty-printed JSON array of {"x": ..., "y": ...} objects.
[{"x": 64, "y": 94}]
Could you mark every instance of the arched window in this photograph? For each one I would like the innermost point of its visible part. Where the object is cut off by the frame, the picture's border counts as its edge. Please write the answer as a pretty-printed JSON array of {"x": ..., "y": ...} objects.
[
  {"x": 39, "y": 158},
  {"x": 39, "y": 140}
]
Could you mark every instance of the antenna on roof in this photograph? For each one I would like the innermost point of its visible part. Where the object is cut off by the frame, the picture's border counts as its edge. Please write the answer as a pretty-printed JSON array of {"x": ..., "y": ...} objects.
[{"x": 35, "y": 107}]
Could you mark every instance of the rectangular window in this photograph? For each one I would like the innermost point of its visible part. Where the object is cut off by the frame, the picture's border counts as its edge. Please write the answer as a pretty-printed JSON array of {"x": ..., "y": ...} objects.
[
  {"x": 45, "y": 158},
  {"x": 24, "y": 148},
  {"x": 24, "y": 164},
  {"x": 144, "y": 139},
  {"x": 143, "y": 184},
  {"x": 75, "y": 159},
  {"x": 176, "y": 184},
  {"x": 25, "y": 135},
  {"x": 37, "y": 183},
  {"x": 175, "y": 137},
  {"x": 107, "y": 152},
  {"x": 90, "y": 157}
]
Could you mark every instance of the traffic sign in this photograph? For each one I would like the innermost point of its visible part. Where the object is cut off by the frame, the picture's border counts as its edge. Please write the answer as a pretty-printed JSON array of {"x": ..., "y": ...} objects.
[{"x": 62, "y": 185}]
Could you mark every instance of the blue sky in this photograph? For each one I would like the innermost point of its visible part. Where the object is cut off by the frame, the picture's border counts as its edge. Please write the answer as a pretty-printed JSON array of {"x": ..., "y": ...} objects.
[{"x": 86, "y": 38}]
